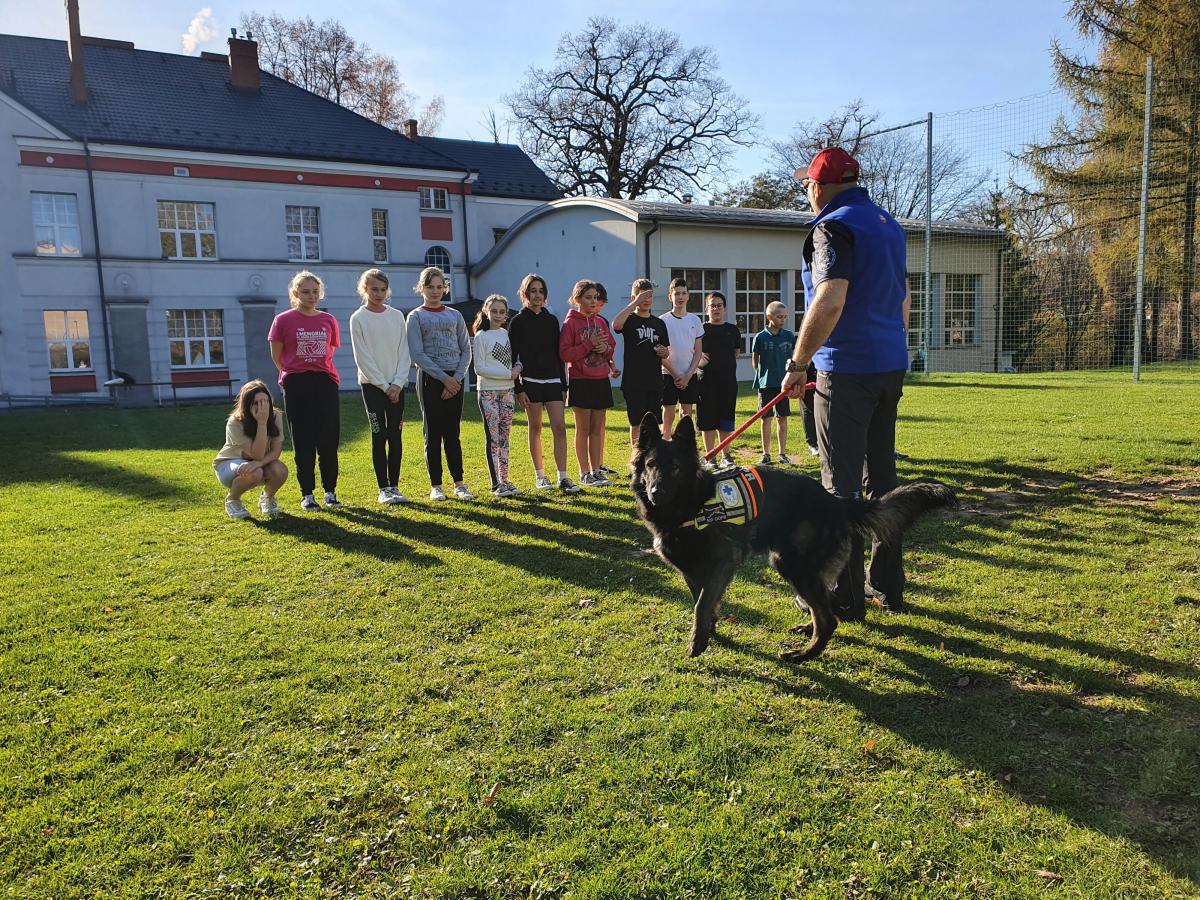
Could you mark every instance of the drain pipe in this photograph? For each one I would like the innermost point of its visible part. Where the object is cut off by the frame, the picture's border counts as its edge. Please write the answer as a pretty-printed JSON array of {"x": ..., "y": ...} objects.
[
  {"x": 654, "y": 220},
  {"x": 466, "y": 237},
  {"x": 108, "y": 358}
]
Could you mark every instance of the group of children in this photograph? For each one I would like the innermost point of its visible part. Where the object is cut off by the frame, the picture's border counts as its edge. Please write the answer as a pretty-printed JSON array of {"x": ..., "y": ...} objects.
[{"x": 531, "y": 360}]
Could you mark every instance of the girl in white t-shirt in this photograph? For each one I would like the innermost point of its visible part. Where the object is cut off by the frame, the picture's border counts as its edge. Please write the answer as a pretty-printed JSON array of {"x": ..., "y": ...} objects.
[
  {"x": 250, "y": 457},
  {"x": 496, "y": 373}
]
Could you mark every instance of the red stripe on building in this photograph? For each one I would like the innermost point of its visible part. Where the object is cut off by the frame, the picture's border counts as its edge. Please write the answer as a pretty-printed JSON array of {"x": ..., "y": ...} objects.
[
  {"x": 72, "y": 384},
  {"x": 234, "y": 173},
  {"x": 437, "y": 228}
]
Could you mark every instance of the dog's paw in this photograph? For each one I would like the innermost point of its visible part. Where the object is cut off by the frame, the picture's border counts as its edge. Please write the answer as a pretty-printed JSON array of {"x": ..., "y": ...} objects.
[
  {"x": 697, "y": 645},
  {"x": 806, "y": 629},
  {"x": 794, "y": 656}
]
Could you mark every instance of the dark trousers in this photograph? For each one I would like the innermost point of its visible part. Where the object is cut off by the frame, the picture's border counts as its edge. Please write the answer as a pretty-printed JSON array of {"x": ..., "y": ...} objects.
[
  {"x": 856, "y": 434},
  {"x": 441, "y": 420},
  {"x": 807, "y": 416},
  {"x": 386, "y": 419},
  {"x": 310, "y": 400}
]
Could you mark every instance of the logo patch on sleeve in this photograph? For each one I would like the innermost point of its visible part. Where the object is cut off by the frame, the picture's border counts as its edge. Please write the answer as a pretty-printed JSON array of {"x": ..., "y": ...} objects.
[{"x": 824, "y": 259}]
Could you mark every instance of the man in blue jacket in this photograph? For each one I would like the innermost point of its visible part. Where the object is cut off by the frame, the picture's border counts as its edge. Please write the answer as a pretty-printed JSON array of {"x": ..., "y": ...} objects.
[{"x": 856, "y": 304}]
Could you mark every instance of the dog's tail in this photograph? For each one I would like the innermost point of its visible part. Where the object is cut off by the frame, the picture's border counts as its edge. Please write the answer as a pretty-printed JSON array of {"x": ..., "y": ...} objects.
[{"x": 890, "y": 516}]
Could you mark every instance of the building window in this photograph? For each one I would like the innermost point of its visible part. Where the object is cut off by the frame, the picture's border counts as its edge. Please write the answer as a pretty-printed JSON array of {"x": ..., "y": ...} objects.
[
  {"x": 379, "y": 235},
  {"x": 56, "y": 224},
  {"x": 434, "y": 198},
  {"x": 303, "y": 233},
  {"x": 438, "y": 256},
  {"x": 916, "y": 314},
  {"x": 798, "y": 300},
  {"x": 497, "y": 234},
  {"x": 699, "y": 282},
  {"x": 197, "y": 337},
  {"x": 67, "y": 340},
  {"x": 186, "y": 230},
  {"x": 959, "y": 293},
  {"x": 753, "y": 290}
]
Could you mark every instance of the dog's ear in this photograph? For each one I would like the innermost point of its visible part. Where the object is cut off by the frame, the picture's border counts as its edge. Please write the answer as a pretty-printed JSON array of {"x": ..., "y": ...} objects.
[
  {"x": 684, "y": 438},
  {"x": 650, "y": 434}
]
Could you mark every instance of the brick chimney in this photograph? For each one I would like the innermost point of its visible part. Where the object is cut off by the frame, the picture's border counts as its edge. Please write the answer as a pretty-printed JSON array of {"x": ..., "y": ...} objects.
[
  {"x": 244, "y": 74},
  {"x": 410, "y": 129},
  {"x": 79, "y": 92}
]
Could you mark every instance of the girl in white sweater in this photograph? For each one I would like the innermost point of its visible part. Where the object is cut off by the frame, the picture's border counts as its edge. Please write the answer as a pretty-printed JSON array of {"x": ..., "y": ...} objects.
[
  {"x": 496, "y": 373},
  {"x": 380, "y": 341}
]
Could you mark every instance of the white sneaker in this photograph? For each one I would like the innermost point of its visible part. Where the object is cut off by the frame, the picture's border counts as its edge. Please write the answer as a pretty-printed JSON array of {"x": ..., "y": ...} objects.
[
  {"x": 268, "y": 506},
  {"x": 567, "y": 486},
  {"x": 437, "y": 493},
  {"x": 543, "y": 483},
  {"x": 385, "y": 496},
  {"x": 309, "y": 503},
  {"x": 585, "y": 479},
  {"x": 235, "y": 510},
  {"x": 599, "y": 480},
  {"x": 331, "y": 499},
  {"x": 504, "y": 489},
  {"x": 397, "y": 497},
  {"x": 461, "y": 492}
]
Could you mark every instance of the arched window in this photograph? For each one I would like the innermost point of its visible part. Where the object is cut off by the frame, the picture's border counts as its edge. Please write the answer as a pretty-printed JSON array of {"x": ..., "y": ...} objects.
[{"x": 438, "y": 256}]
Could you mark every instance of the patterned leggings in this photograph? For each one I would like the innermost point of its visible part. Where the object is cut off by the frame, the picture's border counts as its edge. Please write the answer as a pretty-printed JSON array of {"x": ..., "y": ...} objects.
[{"x": 497, "y": 410}]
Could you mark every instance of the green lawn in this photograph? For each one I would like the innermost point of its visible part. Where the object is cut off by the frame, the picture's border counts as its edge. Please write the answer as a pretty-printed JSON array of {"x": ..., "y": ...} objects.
[{"x": 492, "y": 700}]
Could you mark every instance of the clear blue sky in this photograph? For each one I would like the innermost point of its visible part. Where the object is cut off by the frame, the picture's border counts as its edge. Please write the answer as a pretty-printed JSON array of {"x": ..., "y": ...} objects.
[{"x": 903, "y": 59}]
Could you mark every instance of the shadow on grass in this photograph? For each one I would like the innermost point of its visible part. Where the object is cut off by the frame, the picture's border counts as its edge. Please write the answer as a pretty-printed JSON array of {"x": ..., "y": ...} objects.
[{"x": 1107, "y": 734}]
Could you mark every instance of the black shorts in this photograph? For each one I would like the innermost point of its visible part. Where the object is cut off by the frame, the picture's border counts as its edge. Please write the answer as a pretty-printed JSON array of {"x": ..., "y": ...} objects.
[
  {"x": 718, "y": 405},
  {"x": 783, "y": 408},
  {"x": 543, "y": 393},
  {"x": 639, "y": 401},
  {"x": 589, "y": 393},
  {"x": 672, "y": 395}
]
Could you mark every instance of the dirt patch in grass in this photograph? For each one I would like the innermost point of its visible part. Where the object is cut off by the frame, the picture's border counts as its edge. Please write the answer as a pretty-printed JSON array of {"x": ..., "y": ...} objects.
[{"x": 1150, "y": 489}]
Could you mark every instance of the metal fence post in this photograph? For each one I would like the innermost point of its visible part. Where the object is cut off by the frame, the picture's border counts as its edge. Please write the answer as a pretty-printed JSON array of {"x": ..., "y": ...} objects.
[
  {"x": 1139, "y": 311},
  {"x": 928, "y": 243}
]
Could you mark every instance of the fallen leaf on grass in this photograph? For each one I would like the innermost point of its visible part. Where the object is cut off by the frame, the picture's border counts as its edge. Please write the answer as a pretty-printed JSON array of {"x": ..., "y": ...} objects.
[
  {"x": 586, "y": 602},
  {"x": 963, "y": 681},
  {"x": 869, "y": 746},
  {"x": 1049, "y": 876},
  {"x": 107, "y": 610},
  {"x": 731, "y": 618},
  {"x": 942, "y": 646},
  {"x": 490, "y": 797}
]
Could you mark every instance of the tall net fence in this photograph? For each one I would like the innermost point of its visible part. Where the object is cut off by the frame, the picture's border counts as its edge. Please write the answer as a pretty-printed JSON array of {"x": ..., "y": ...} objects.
[{"x": 1033, "y": 257}]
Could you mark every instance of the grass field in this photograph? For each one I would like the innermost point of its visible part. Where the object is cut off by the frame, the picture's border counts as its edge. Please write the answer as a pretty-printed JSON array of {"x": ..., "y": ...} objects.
[{"x": 492, "y": 700}]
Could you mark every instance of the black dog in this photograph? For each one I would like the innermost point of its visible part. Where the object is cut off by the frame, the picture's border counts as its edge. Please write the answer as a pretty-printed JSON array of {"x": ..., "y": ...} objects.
[{"x": 806, "y": 529}]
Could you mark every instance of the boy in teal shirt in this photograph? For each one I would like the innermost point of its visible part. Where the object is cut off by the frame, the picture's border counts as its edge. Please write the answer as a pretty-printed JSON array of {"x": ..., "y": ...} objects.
[{"x": 770, "y": 352}]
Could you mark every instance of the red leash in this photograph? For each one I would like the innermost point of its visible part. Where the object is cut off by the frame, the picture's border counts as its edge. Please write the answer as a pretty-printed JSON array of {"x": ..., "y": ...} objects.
[{"x": 712, "y": 454}]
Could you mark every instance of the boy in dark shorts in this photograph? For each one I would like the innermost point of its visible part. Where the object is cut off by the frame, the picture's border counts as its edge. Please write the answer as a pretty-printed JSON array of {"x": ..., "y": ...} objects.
[
  {"x": 686, "y": 331},
  {"x": 718, "y": 375},
  {"x": 770, "y": 352},
  {"x": 646, "y": 346}
]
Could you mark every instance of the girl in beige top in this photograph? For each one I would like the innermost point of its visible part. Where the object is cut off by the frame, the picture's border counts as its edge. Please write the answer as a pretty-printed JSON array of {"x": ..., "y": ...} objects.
[{"x": 250, "y": 457}]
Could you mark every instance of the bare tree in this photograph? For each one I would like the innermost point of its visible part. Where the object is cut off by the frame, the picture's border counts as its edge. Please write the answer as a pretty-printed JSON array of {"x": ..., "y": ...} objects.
[
  {"x": 493, "y": 124},
  {"x": 893, "y": 164},
  {"x": 629, "y": 111},
  {"x": 325, "y": 59}
]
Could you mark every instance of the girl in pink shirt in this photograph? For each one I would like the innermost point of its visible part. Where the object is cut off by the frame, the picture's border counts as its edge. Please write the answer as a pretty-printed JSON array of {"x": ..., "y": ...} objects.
[
  {"x": 586, "y": 346},
  {"x": 303, "y": 341}
]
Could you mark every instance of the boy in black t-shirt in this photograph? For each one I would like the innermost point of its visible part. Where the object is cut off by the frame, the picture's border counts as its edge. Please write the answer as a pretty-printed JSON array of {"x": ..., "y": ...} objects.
[
  {"x": 722, "y": 345},
  {"x": 646, "y": 346}
]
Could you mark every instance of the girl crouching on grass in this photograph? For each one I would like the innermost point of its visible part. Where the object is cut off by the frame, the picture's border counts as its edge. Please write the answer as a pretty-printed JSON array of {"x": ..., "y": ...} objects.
[
  {"x": 496, "y": 373},
  {"x": 441, "y": 350},
  {"x": 250, "y": 457},
  {"x": 379, "y": 339},
  {"x": 586, "y": 346},
  {"x": 303, "y": 340}
]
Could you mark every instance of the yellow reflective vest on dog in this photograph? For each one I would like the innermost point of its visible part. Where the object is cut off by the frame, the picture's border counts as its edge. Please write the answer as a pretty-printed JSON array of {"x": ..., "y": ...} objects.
[{"x": 735, "y": 500}]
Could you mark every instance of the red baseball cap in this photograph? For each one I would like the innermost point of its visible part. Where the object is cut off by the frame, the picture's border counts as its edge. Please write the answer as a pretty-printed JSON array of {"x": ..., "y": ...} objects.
[{"x": 833, "y": 165}]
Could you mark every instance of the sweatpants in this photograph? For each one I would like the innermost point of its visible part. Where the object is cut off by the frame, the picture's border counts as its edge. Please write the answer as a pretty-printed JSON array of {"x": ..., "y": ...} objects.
[
  {"x": 856, "y": 435},
  {"x": 386, "y": 420},
  {"x": 496, "y": 407},
  {"x": 310, "y": 400},
  {"x": 441, "y": 420}
]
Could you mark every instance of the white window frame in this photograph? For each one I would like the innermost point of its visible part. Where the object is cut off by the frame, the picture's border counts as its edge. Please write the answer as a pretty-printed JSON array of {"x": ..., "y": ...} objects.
[
  {"x": 70, "y": 341},
  {"x": 749, "y": 317},
  {"x": 703, "y": 285},
  {"x": 960, "y": 293},
  {"x": 917, "y": 310},
  {"x": 380, "y": 252},
  {"x": 302, "y": 233},
  {"x": 439, "y": 250},
  {"x": 435, "y": 198},
  {"x": 798, "y": 302},
  {"x": 204, "y": 218},
  {"x": 56, "y": 215},
  {"x": 189, "y": 333}
]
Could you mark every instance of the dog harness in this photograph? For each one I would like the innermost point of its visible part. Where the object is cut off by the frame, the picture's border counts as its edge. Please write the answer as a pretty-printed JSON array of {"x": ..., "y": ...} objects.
[{"x": 735, "y": 501}]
